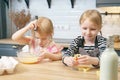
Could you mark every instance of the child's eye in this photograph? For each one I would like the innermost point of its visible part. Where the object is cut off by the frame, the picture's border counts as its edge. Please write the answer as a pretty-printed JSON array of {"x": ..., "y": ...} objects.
[
  {"x": 37, "y": 37},
  {"x": 93, "y": 29},
  {"x": 84, "y": 28}
]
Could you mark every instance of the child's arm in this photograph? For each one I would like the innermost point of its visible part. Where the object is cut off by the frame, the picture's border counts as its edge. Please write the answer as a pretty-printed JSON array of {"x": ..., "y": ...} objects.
[
  {"x": 53, "y": 52},
  {"x": 68, "y": 55},
  {"x": 69, "y": 61},
  {"x": 19, "y": 35},
  {"x": 54, "y": 57}
]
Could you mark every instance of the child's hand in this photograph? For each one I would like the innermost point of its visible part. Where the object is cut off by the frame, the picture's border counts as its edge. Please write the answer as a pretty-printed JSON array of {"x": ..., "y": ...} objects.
[
  {"x": 40, "y": 58},
  {"x": 32, "y": 25},
  {"x": 69, "y": 61},
  {"x": 85, "y": 60},
  {"x": 42, "y": 54}
]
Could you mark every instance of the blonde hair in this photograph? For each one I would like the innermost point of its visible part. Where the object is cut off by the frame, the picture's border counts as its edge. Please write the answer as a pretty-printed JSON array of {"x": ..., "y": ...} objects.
[
  {"x": 44, "y": 26},
  {"x": 92, "y": 15}
]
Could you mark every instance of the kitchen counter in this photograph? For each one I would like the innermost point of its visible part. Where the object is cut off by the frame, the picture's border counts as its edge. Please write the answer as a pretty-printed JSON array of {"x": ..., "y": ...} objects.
[
  {"x": 10, "y": 41},
  {"x": 48, "y": 70}
]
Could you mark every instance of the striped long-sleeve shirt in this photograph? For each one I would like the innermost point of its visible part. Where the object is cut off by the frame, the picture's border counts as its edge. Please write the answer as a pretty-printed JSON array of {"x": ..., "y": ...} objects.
[{"x": 74, "y": 46}]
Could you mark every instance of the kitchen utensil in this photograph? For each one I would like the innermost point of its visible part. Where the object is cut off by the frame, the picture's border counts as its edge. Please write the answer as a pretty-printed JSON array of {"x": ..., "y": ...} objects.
[
  {"x": 49, "y": 3},
  {"x": 34, "y": 43},
  {"x": 27, "y": 3}
]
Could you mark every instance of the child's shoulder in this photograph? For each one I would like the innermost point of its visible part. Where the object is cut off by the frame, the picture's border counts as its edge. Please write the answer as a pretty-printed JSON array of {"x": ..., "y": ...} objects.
[
  {"x": 101, "y": 41},
  {"x": 78, "y": 38},
  {"x": 101, "y": 38}
]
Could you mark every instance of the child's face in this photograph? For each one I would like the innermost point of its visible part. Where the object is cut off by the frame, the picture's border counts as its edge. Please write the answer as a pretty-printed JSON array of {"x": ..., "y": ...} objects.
[
  {"x": 89, "y": 30},
  {"x": 44, "y": 39}
]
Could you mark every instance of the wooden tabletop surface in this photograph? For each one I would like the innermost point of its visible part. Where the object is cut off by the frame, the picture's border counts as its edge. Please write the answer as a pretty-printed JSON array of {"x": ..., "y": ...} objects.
[{"x": 49, "y": 70}]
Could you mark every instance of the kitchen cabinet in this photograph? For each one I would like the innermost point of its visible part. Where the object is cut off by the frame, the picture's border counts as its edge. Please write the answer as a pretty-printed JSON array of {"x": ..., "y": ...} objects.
[
  {"x": 9, "y": 49},
  {"x": 3, "y": 26},
  {"x": 105, "y": 3}
]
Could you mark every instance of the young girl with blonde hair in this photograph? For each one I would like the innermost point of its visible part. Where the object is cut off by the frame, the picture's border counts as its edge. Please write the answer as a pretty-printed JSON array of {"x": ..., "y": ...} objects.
[
  {"x": 89, "y": 45},
  {"x": 42, "y": 40}
]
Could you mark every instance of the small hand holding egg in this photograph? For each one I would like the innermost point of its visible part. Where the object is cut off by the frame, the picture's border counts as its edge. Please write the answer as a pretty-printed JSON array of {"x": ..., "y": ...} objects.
[
  {"x": 78, "y": 60},
  {"x": 42, "y": 54}
]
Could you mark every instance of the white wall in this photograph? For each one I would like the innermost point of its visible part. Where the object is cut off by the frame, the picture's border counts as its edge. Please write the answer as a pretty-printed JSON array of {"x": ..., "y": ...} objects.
[
  {"x": 65, "y": 18},
  {"x": 111, "y": 23}
]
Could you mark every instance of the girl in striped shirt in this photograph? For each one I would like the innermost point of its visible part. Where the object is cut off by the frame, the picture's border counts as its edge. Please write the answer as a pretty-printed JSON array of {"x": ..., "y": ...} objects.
[{"x": 90, "y": 45}]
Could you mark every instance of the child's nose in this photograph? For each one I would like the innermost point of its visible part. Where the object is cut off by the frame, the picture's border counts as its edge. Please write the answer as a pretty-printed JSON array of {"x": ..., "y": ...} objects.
[
  {"x": 88, "y": 31},
  {"x": 41, "y": 44}
]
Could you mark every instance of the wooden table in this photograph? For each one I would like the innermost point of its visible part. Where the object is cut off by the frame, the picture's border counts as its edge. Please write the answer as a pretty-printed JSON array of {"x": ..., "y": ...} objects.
[{"x": 49, "y": 71}]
